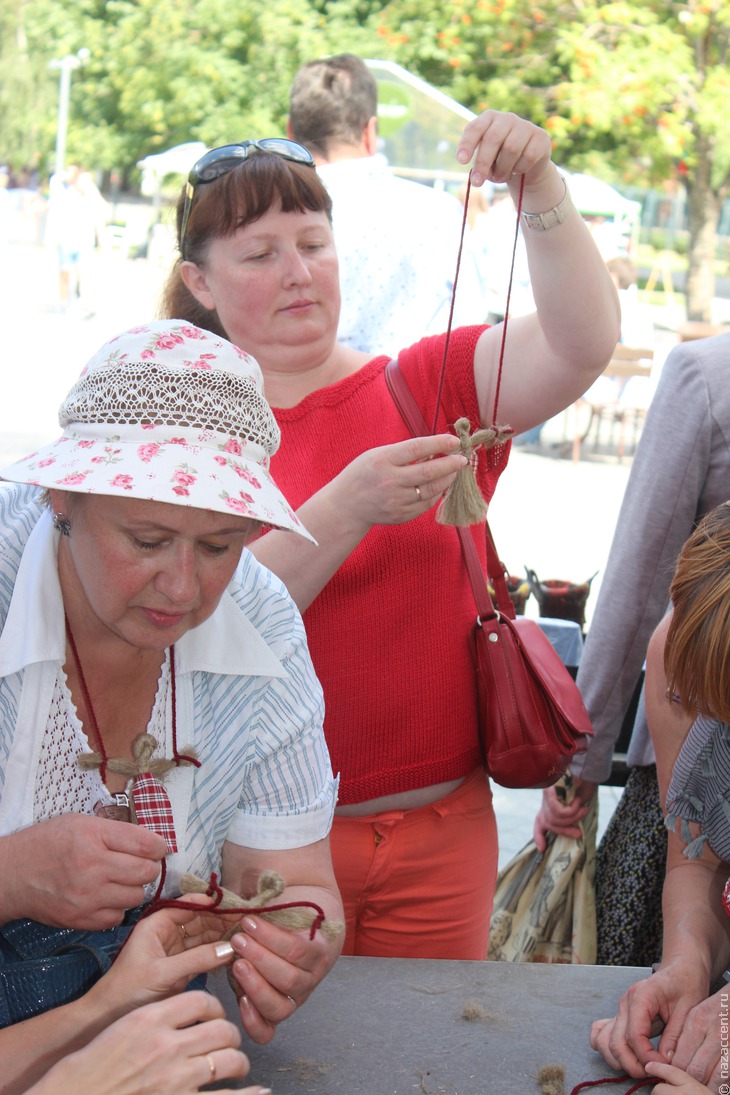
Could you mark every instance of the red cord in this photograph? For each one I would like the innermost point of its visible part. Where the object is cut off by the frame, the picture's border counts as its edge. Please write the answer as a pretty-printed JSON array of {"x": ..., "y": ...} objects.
[
  {"x": 214, "y": 890},
  {"x": 507, "y": 303},
  {"x": 178, "y": 757},
  {"x": 451, "y": 306},
  {"x": 614, "y": 1080},
  {"x": 442, "y": 374},
  {"x": 89, "y": 706}
]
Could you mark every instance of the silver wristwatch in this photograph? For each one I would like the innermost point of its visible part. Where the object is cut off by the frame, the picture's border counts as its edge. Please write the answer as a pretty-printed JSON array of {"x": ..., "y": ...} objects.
[{"x": 542, "y": 222}]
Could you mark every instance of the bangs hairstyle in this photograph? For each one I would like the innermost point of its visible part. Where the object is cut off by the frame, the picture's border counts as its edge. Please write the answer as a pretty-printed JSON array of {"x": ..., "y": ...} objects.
[
  {"x": 244, "y": 194},
  {"x": 240, "y": 197},
  {"x": 697, "y": 651}
]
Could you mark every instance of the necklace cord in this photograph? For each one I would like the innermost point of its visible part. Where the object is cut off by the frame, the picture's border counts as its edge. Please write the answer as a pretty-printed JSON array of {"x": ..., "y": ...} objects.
[
  {"x": 179, "y": 758},
  {"x": 87, "y": 700},
  {"x": 214, "y": 890}
]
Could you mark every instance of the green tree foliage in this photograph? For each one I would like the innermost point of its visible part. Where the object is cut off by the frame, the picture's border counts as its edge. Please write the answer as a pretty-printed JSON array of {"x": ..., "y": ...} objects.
[
  {"x": 160, "y": 72},
  {"x": 634, "y": 92},
  {"x": 631, "y": 91}
]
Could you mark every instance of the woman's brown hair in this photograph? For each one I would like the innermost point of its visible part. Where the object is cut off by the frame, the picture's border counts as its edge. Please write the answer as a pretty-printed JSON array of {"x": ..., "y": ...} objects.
[
  {"x": 697, "y": 650},
  {"x": 221, "y": 207}
]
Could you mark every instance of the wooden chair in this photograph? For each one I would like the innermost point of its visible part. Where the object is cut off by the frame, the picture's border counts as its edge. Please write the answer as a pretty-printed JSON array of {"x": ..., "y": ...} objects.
[{"x": 627, "y": 362}]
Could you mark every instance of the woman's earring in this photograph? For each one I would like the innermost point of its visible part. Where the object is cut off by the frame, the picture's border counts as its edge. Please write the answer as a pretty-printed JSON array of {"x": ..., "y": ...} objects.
[{"x": 62, "y": 524}]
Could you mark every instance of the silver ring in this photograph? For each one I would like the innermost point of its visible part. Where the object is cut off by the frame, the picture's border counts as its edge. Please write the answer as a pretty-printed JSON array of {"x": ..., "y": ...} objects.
[
  {"x": 292, "y": 1001},
  {"x": 418, "y": 494}
]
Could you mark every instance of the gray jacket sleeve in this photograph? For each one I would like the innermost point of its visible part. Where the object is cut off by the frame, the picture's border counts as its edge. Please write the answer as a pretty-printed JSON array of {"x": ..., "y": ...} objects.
[{"x": 681, "y": 470}]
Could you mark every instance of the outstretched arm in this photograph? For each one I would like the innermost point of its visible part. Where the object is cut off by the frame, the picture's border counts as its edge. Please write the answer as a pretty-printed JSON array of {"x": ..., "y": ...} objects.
[
  {"x": 552, "y": 355},
  {"x": 557, "y": 353}
]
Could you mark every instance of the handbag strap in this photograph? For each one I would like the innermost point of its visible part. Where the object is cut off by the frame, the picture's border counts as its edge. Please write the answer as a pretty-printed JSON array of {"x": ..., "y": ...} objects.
[{"x": 411, "y": 414}]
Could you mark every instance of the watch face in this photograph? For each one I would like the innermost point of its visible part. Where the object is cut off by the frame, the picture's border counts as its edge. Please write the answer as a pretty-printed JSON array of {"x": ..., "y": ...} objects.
[
  {"x": 540, "y": 221},
  {"x": 543, "y": 221}
]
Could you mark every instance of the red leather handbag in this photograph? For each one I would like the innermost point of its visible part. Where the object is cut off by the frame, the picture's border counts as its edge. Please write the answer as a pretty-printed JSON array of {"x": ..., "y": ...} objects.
[{"x": 532, "y": 720}]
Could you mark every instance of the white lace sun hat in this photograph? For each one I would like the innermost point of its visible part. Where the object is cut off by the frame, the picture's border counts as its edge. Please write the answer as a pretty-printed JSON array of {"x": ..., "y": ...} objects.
[{"x": 170, "y": 413}]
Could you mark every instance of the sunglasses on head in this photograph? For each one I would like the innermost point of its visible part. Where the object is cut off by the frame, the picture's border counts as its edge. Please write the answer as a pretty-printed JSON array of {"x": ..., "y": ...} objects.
[{"x": 219, "y": 161}]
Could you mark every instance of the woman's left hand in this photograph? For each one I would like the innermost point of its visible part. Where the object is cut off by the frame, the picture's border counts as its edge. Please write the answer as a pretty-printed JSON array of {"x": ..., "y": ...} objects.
[
  {"x": 499, "y": 145},
  {"x": 276, "y": 972}
]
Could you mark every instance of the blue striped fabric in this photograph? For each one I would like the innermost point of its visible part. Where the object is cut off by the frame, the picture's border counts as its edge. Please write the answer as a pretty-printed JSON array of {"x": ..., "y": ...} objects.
[
  {"x": 699, "y": 791},
  {"x": 265, "y": 779}
]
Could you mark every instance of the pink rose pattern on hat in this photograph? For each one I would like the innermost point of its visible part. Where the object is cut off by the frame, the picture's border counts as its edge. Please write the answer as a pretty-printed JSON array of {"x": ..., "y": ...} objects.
[{"x": 210, "y": 469}]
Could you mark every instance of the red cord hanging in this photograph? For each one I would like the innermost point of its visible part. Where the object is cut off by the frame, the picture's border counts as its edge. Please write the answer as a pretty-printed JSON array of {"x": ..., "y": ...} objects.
[{"x": 442, "y": 374}]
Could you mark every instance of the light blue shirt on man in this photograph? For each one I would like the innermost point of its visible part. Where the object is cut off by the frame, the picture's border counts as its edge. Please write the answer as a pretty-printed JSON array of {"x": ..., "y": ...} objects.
[{"x": 397, "y": 243}]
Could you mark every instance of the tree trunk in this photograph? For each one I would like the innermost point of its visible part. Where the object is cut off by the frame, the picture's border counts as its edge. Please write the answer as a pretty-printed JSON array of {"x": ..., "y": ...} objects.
[{"x": 703, "y": 206}]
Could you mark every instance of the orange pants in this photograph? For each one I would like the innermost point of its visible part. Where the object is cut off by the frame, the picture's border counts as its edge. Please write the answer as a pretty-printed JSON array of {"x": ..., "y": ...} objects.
[{"x": 420, "y": 883}]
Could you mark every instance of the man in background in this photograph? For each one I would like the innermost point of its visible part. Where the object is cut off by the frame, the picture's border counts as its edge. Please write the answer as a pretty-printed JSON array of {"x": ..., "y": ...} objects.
[{"x": 397, "y": 240}]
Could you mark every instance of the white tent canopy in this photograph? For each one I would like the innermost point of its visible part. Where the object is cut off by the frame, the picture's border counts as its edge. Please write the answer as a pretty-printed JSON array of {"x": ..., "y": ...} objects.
[
  {"x": 175, "y": 161},
  {"x": 592, "y": 196}
]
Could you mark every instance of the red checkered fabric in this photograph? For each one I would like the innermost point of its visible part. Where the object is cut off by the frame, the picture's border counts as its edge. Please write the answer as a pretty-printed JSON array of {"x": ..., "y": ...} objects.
[{"x": 153, "y": 809}]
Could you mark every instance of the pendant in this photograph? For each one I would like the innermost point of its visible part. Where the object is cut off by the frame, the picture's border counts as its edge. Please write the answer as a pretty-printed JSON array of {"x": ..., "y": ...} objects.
[
  {"x": 153, "y": 809},
  {"x": 150, "y": 804}
]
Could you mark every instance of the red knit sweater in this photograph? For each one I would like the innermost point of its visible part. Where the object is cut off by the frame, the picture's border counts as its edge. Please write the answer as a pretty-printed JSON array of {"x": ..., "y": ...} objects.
[{"x": 389, "y": 634}]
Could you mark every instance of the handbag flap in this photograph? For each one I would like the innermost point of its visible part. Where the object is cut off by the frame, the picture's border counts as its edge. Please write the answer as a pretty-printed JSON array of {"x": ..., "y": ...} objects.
[{"x": 546, "y": 663}]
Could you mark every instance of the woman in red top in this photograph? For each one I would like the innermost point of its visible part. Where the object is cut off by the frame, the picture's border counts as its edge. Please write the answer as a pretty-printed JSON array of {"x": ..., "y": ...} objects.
[{"x": 386, "y": 600}]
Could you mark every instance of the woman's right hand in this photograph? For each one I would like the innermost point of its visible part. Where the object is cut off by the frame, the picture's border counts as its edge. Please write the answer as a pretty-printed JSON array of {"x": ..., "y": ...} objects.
[
  {"x": 395, "y": 483},
  {"x": 388, "y": 485},
  {"x": 172, "y": 1047},
  {"x": 77, "y": 871}
]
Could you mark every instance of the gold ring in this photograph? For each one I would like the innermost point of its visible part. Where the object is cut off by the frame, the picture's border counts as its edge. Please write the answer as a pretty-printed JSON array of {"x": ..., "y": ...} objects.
[
  {"x": 183, "y": 931},
  {"x": 211, "y": 1066},
  {"x": 418, "y": 494}
]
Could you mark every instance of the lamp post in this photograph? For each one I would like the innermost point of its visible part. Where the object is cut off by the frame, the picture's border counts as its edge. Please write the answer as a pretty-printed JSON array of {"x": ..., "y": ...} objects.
[{"x": 66, "y": 65}]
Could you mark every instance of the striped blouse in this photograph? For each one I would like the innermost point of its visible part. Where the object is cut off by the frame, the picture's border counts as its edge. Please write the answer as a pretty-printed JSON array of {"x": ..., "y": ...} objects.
[
  {"x": 699, "y": 791},
  {"x": 248, "y": 702}
]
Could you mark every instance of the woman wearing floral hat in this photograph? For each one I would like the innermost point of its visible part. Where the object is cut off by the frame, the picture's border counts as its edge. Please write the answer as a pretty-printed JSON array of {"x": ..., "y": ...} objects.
[{"x": 152, "y": 671}]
